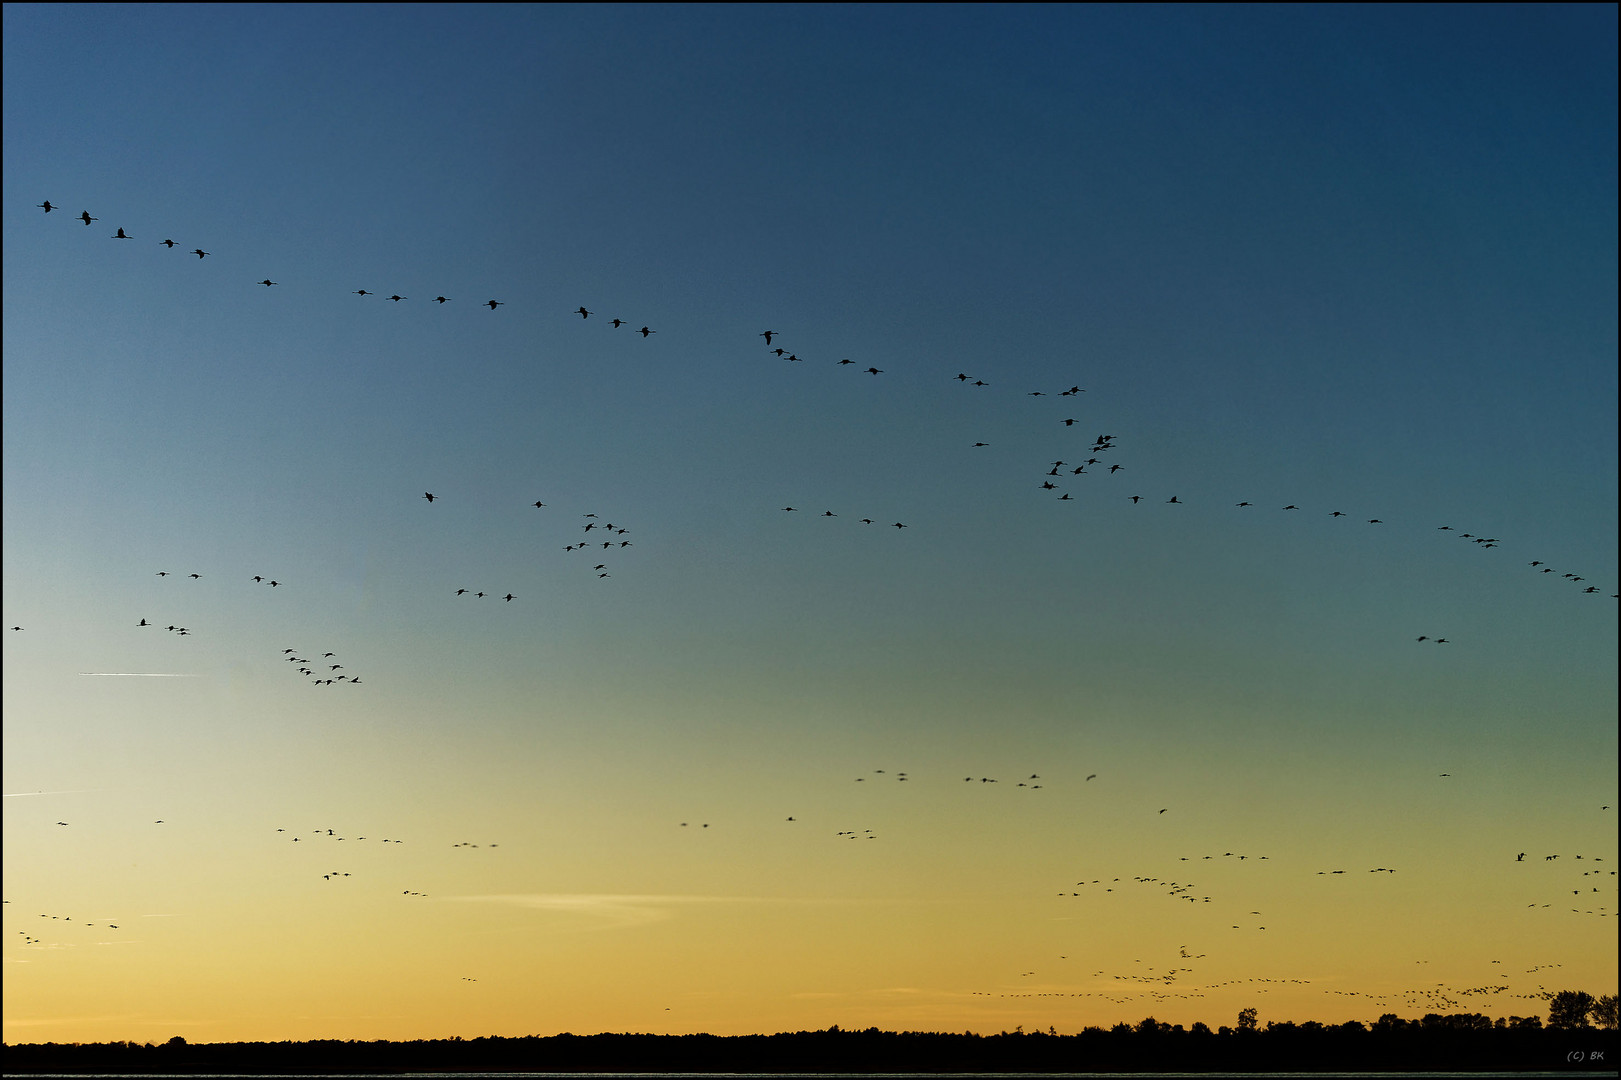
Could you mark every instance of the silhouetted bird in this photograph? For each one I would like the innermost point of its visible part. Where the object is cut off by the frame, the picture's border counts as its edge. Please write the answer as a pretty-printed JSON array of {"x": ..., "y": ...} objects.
[
  {"x": 46, "y": 206},
  {"x": 644, "y": 331},
  {"x": 584, "y": 314},
  {"x": 442, "y": 299},
  {"x": 768, "y": 335},
  {"x": 122, "y": 235},
  {"x": 199, "y": 252},
  {"x": 493, "y": 304},
  {"x": 167, "y": 243},
  {"x": 86, "y": 218},
  {"x": 267, "y": 282},
  {"x": 428, "y": 495}
]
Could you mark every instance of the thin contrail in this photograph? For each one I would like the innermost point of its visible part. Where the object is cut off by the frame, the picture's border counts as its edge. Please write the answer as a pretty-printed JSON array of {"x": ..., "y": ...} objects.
[
  {"x": 21, "y": 794},
  {"x": 140, "y": 675}
]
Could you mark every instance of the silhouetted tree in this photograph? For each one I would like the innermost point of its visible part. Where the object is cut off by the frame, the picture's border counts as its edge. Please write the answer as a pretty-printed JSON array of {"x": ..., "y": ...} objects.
[
  {"x": 1246, "y": 1019},
  {"x": 1402, "y": 1047},
  {"x": 1569, "y": 1009},
  {"x": 1456, "y": 1022},
  {"x": 1603, "y": 1012}
]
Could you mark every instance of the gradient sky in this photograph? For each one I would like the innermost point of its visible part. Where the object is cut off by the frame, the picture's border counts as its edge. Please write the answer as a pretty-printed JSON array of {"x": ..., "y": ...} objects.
[{"x": 1355, "y": 259}]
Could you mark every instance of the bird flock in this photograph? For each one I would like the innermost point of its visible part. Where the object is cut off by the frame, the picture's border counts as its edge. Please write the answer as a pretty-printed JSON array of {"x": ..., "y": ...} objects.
[
  {"x": 86, "y": 218},
  {"x": 1081, "y": 471},
  {"x": 1053, "y": 476}
]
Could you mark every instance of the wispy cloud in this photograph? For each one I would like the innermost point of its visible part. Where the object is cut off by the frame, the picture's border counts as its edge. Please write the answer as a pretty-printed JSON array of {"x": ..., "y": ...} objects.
[
  {"x": 140, "y": 675},
  {"x": 44, "y": 1021},
  {"x": 625, "y": 909},
  {"x": 880, "y": 991}
]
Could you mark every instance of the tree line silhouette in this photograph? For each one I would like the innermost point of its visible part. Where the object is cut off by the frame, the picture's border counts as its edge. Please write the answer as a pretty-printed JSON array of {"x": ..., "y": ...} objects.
[{"x": 1580, "y": 1033}]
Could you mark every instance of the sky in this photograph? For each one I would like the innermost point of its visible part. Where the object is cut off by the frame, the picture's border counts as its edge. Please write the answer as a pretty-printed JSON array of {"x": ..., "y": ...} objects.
[{"x": 1207, "y": 366}]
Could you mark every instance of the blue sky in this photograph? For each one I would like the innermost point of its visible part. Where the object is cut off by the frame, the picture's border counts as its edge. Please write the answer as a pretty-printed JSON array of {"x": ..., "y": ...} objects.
[{"x": 1346, "y": 259}]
